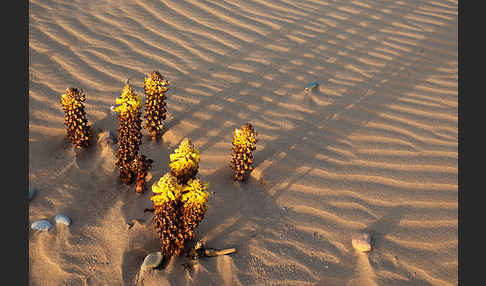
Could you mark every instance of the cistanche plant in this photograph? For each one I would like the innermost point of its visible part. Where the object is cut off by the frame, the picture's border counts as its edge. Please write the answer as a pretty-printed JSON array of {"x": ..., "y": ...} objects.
[
  {"x": 131, "y": 164},
  {"x": 155, "y": 106},
  {"x": 75, "y": 121},
  {"x": 167, "y": 220},
  {"x": 244, "y": 143},
  {"x": 194, "y": 197}
]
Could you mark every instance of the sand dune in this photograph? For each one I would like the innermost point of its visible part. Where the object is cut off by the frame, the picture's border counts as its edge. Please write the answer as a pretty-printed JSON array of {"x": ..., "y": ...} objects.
[{"x": 374, "y": 148}]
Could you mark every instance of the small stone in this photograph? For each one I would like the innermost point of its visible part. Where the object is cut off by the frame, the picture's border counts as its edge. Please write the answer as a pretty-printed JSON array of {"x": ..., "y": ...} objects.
[
  {"x": 31, "y": 193},
  {"x": 152, "y": 260},
  {"x": 114, "y": 113},
  {"x": 42, "y": 225},
  {"x": 311, "y": 85},
  {"x": 60, "y": 218},
  {"x": 362, "y": 242}
]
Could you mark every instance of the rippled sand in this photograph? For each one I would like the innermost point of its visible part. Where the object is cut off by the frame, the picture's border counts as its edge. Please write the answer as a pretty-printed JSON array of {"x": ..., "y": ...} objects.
[{"x": 374, "y": 148}]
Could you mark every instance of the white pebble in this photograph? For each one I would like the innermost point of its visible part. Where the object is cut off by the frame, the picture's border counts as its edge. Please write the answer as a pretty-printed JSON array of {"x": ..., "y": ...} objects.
[
  {"x": 42, "y": 225},
  {"x": 60, "y": 218},
  {"x": 152, "y": 260},
  {"x": 113, "y": 111}
]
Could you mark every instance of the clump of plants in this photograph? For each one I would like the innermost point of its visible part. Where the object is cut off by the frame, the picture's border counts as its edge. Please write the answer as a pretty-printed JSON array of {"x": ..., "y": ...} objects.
[
  {"x": 155, "y": 107},
  {"x": 77, "y": 128},
  {"x": 244, "y": 143},
  {"x": 131, "y": 164},
  {"x": 180, "y": 202}
]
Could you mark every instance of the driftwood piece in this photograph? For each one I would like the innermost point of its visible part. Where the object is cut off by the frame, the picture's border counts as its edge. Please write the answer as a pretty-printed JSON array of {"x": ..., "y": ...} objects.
[
  {"x": 200, "y": 250},
  {"x": 210, "y": 252}
]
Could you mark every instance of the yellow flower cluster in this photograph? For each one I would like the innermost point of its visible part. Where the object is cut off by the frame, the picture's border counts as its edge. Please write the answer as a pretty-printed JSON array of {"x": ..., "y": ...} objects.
[
  {"x": 185, "y": 157},
  {"x": 166, "y": 189},
  {"x": 68, "y": 100},
  {"x": 72, "y": 98},
  {"x": 244, "y": 137},
  {"x": 129, "y": 101},
  {"x": 155, "y": 86},
  {"x": 195, "y": 192}
]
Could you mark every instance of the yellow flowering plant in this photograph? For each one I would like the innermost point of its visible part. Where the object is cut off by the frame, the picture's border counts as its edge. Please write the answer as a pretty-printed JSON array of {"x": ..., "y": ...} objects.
[
  {"x": 155, "y": 107},
  {"x": 75, "y": 121},
  {"x": 132, "y": 165},
  {"x": 244, "y": 143}
]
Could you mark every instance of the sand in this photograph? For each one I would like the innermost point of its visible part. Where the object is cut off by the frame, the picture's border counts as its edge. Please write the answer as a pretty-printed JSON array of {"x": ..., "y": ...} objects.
[{"x": 373, "y": 149}]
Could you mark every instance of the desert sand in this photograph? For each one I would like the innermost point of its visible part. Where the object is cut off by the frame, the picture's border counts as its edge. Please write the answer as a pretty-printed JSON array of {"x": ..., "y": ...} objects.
[{"x": 374, "y": 148}]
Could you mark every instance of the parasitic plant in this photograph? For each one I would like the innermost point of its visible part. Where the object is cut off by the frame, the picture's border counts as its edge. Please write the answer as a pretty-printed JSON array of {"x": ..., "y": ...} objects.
[
  {"x": 194, "y": 197},
  {"x": 155, "y": 107},
  {"x": 77, "y": 128},
  {"x": 129, "y": 133},
  {"x": 167, "y": 220},
  {"x": 244, "y": 143}
]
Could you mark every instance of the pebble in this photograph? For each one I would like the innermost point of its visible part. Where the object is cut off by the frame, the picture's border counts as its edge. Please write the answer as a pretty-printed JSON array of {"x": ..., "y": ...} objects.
[
  {"x": 362, "y": 242},
  {"x": 60, "y": 218},
  {"x": 152, "y": 260},
  {"x": 113, "y": 111},
  {"x": 31, "y": 193},
  {"x": 311, "y": 85},
  {"x": 42, "y": 225}
]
